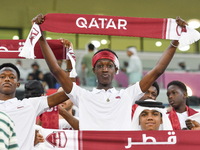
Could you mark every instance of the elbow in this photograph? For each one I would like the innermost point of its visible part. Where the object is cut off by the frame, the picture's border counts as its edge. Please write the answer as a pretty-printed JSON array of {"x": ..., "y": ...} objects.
[
  {"x": 159, "y": 72},
  {"x": 56, "y": 72}
]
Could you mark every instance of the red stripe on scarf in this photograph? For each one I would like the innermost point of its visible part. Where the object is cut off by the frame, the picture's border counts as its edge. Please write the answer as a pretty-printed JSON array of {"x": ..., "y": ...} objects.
[
  {"x": 174, "y": 118},
  {"x": 12, "y": 48},
  {"x": 133, "y": 110}
]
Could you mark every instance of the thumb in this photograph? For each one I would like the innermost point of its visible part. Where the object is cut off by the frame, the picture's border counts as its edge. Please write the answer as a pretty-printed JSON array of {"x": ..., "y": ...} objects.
[{"x": 196, "y": 124}]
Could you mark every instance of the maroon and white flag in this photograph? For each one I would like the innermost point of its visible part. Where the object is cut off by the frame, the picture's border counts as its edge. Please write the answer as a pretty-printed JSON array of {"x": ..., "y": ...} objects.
[
  {"x": 161, "y": 28},
  {"x": 119, "y": 140}
]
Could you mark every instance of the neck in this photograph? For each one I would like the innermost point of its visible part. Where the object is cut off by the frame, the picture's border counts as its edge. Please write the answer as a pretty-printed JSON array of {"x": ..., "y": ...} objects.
[
  {"x": 105, "y": 87},
  {"x": 180, "y": 109},
  {"x": 5, "y": 97}
]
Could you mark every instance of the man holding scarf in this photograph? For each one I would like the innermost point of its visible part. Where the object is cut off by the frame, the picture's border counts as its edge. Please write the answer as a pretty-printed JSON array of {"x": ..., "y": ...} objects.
[{"x": 105, "y": 108}]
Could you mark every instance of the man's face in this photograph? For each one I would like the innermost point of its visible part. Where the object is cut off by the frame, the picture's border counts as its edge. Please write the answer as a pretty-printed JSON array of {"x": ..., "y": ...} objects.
[
  {"x": 105, "y": 71},
  {"x": 129, "y": 53},
  {"x": 150, "y": 119},
  {"x": 8, "y": 80},
  {"x": 151, "y": 93},
  {"x": 176, "y": 96}
]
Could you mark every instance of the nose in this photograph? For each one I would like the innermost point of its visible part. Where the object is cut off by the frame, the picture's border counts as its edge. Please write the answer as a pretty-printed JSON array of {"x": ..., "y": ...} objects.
[
  {"x": 150, "y": 116},
  {"x": 7, "y": 78},
  {"x": 169, "y": 96},
  {"x": 149, "y": 95},
  {"x": 105, "y": 68}
]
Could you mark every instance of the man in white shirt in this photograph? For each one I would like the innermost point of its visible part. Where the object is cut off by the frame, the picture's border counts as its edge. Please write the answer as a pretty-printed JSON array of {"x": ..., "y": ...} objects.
[
  {"x": 23, "y": 113},
  {"x": 104, "y": 108},
  {"x": 177, "y": 95}
]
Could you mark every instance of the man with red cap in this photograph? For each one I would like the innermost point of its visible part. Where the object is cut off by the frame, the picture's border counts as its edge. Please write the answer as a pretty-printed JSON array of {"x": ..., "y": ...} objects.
[{"x": 105, "y": 108}]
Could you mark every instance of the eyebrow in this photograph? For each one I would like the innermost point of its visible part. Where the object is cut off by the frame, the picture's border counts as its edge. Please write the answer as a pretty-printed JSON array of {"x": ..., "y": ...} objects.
[{"x": 144, "y": 111}]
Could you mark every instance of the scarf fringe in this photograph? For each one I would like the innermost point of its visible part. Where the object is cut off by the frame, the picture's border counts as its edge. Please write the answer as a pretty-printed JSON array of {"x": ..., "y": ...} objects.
[
  {"x": 187, "y": 39},
  {"x": 27, "y": 53}
]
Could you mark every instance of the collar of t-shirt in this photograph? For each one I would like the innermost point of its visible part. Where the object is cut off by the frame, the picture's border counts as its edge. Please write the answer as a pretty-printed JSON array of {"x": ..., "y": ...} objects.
[
  {"x": 12, "y": 100},
  {"x": 96, "y": 91}
]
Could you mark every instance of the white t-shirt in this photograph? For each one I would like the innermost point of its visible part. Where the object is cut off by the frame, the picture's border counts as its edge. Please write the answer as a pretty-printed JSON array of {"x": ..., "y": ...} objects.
[
  {"x": 24, "y": 113},
  {"x": 105, "y": 110},
  {"x": 182, "y": 117},
  {"x": 64, "y": 125}
]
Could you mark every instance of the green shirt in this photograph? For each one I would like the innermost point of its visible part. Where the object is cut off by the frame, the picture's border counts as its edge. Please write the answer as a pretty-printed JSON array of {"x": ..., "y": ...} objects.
[
  {"x": 8, "y": 139},
  {"x": 87, "y": 60}
]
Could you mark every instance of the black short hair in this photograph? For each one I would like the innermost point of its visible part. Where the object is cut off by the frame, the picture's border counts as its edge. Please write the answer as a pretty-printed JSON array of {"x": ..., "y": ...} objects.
[
  {"x": 180, "y": 84},
  {"x": 155, "y": 84},
  {"x": 105, "y": 50},
  {"x": 91, "y": 46},
  {"x": 11, "y": 66}
]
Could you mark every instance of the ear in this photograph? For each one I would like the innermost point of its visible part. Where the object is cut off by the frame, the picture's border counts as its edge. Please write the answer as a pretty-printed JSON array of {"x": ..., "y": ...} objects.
[
  {"x": 161, "y": 121},
  {"x": 116, "y": 69},
  {"x": 93, "y": 70},
  {"x": 18, "y": 84},
  {"x": 139, "y": 120},
  {"x": 185, "y": 95}
]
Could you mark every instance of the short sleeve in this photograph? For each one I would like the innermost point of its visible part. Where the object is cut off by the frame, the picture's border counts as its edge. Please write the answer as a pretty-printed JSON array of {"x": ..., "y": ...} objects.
[
  {"x": 40, "y": 104},
  {"x": 134, "y": 92},
  {"x": 75, "y": 94}
]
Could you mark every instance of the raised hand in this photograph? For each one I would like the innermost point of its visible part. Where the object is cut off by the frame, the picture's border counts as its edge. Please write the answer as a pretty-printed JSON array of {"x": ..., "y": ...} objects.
[
  {"x": 181, "y": 22},
  {"x": 38, "y": 19}
]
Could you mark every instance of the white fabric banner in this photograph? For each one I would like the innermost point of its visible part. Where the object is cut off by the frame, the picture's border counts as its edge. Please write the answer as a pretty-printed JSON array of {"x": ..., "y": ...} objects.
[
  {"x": 58, "y": 139},
  {"x": 33, "y": 37}
]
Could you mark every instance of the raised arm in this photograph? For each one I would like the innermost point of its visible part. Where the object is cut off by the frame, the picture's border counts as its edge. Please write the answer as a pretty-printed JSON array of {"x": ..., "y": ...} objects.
[
  {"x": 163, "y": 62},
  {"x": 51, "y": 61},
  {"x": 69, "y": 118}
]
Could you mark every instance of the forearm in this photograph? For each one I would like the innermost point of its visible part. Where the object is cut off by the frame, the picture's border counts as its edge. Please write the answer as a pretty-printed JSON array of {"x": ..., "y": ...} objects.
[
  {"x": 57, "y": 98},
  {"x": 51, "y": 61},
  {"x": 69, "y": 118},
  {"x": 160, "y": 67},
  {"x": 166, "y": 58},
  {"x": 48, "y": 55}
]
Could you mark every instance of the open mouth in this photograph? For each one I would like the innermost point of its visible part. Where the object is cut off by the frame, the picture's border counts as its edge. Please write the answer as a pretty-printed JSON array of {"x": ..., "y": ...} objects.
[
  {"x": 171, "y": 102},
  {"x": 105, "y": 75}
]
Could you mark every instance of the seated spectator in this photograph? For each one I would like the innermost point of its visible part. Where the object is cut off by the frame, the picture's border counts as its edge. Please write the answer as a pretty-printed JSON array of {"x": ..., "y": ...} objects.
[
  {"x": 23, "y": 71},
  {"x": 150, "y": 115},
  {"x": 36, "y": 74},
  {"x": 151, "y": 93},
  {"x": 177, "y": 95},
  {"x": 49, "y": 79}
]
